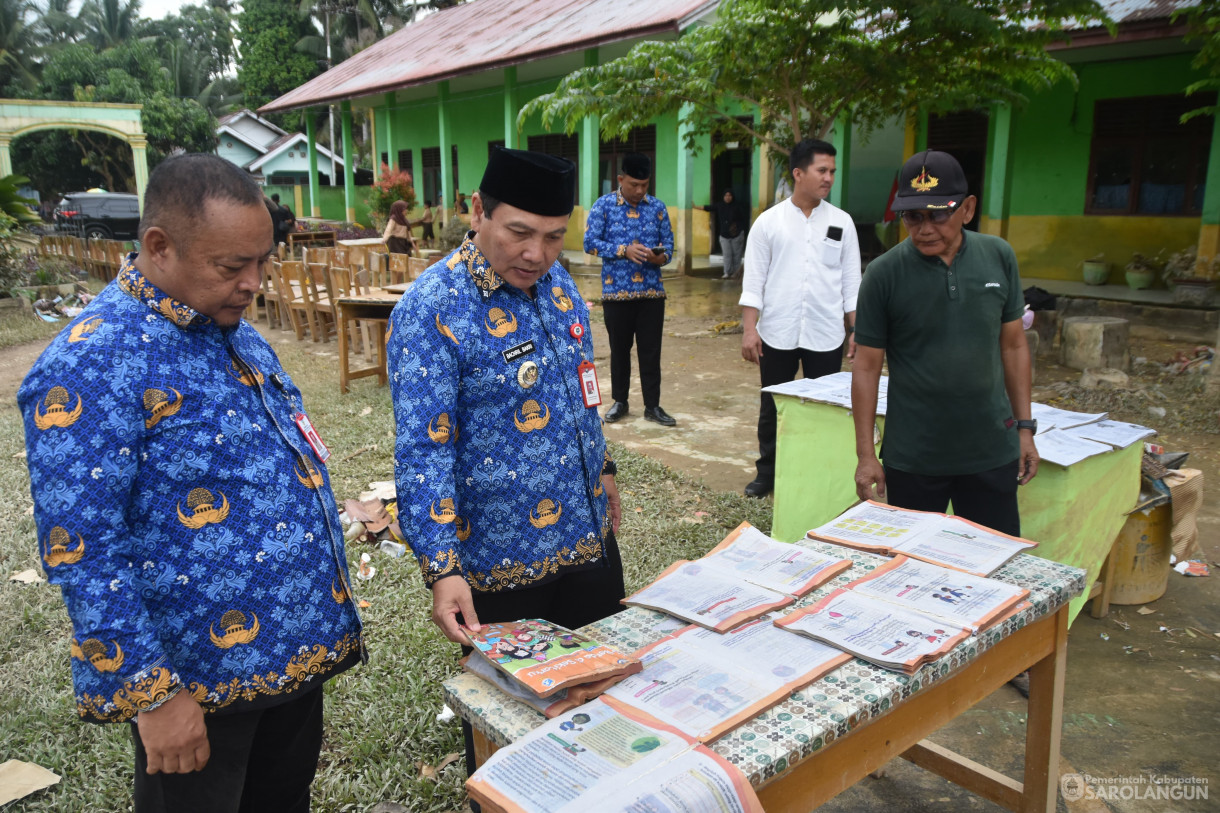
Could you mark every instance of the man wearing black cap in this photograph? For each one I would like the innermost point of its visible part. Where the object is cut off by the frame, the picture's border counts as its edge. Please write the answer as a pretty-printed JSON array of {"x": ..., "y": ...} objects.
[
  {"x": 505, "y": 490},
  {"x": 944, "y": 308},
  {"x": 629, "y": 229}
]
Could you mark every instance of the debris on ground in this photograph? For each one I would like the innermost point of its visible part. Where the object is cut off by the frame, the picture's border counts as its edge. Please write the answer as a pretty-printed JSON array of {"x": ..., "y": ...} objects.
[
  {"x": 1197, "y": 361},
  {"x": 727, "y": 328},
  {"x": 366, "y": 571},
  {"x": 446, "y": 715},
  {"x": 427, "y": 771},
  {"x": 19, "y": 779},
  {"x": 1192, "y": 567},
  {"x": 26, "y": 577}
]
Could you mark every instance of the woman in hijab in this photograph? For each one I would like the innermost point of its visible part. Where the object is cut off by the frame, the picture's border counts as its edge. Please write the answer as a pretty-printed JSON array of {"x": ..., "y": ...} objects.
[{"x": 397, "y": 235}]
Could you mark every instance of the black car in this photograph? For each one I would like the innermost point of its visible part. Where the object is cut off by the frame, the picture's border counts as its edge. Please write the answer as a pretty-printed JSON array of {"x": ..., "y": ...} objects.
[{"x": 99, "y": 215}]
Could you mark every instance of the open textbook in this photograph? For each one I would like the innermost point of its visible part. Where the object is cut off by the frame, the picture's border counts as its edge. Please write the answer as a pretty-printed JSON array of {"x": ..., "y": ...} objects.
[
  {"x": 944, "y": 540},
  {"x": 603, "y": 756},
  {"x": 961, "y": 598},
  {"x": 706, "y": 683},
  {"x": 877, "y": 631},
  {"x": 744, "y": 577},
  {"x": 545, "y": 658}
]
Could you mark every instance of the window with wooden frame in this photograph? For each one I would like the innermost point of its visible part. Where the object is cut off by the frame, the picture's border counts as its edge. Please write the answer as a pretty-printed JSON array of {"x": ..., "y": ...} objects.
[
  {"x": 611, "y": 152},
  {"x": 1144, "y": 161},
  {"x": 560, "y": 145}
]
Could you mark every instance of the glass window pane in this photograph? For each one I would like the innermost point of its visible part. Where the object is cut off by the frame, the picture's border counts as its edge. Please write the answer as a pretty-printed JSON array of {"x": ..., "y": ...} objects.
[
  {"x": 1112, "y": 176},
  {"x": 1163, "y": 175}
]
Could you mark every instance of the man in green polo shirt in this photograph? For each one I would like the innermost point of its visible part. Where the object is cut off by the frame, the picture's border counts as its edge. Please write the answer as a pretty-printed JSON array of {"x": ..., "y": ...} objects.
[{"x": 945, "y": 307}]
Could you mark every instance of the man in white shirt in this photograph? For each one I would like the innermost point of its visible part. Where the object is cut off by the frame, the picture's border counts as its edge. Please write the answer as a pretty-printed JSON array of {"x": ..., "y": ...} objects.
[{"x": 798, "y": 297}]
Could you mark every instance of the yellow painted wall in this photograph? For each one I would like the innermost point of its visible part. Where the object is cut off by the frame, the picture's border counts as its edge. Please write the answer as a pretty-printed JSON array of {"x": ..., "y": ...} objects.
[{"x": 1052, "y": 247}]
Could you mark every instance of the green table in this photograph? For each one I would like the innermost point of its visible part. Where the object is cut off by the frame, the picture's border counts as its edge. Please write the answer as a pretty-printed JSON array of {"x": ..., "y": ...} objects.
[{"x": 1074, "y": 513}]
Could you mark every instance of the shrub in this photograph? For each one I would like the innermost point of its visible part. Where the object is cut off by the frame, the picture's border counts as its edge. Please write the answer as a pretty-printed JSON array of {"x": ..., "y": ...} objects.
[{"x": 392, "y": 185}]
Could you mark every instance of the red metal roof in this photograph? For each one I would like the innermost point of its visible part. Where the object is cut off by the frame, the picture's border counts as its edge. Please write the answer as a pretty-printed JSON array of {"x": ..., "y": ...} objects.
[{"x": 488, "y": 34}]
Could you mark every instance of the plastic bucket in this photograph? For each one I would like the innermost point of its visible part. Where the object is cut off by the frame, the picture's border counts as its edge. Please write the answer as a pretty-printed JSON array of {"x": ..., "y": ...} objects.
[{"x": 1140, "y": 556}]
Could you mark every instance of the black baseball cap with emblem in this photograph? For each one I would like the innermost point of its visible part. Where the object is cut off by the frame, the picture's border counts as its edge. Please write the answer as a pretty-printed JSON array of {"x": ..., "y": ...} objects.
[
  {"x": 930, "y": 180},
  {"x": 534, "y": 182}
]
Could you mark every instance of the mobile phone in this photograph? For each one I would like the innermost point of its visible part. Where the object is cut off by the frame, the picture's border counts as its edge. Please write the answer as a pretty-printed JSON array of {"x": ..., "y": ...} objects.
[{"x": 658, "y": 249}]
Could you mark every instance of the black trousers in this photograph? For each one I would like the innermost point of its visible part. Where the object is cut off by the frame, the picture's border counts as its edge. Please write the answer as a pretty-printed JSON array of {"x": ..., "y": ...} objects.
[
  {"x": 779, "y": 367},
  {"x": 988, "y": 498},
  {"x": 262, "y": 761},
  {"x": 638, "y": 321},
  {"x": 573, "y": 600}
]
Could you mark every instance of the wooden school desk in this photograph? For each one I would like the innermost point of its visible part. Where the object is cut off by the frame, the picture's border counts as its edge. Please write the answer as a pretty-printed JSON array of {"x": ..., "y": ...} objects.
[{"x": 837, "y": 730}]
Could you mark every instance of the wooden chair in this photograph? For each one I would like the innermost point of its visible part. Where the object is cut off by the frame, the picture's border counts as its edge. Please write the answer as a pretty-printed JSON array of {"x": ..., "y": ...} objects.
[
  {"x": 319, "y": 300},
  {"x": 398, "y": 268},
  {"x": 268, "y": 296},
  {"x": 378, "y": 265},
  {"x": 299, "y": 311},
  {"x": 415, "y": 267}
]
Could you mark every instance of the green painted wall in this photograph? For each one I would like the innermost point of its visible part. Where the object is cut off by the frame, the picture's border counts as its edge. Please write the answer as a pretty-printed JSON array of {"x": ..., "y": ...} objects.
[
  {"x": 875, "y": 159},
  {"x": 1052, "y": 134},
  {"x": 333, "y": 207}
]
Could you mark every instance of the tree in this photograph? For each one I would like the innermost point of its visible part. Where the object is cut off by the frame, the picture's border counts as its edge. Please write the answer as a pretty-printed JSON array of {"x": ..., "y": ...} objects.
[
  {"x": 1204, "y": 22},
  {"x": 204, "y": 34},
  {"x": 57, "y": 24},
  {"x": 17, "y": 44},
  {"x": 129, "y": 73},
  {"x": 269, "y": 64},
  {"x": 109, "y": 22},
  {"x": 803, "y": 63}
]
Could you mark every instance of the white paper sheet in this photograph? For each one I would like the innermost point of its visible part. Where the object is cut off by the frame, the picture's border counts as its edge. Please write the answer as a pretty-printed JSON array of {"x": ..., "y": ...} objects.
[
  {"x": 1059, "y": 446},
  {"x": 1113, "y": 433}
]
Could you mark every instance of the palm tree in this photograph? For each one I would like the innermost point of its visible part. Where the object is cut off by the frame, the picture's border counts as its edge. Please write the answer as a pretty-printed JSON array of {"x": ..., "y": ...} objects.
[
  {"x": 110, "y": 22},
  {"x": 17, "y": 47},
  {"x": 57, "y": 24}
]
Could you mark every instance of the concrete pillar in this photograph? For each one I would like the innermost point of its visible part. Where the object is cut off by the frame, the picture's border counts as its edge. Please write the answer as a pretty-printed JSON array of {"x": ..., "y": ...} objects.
[
  {"x": 840, "y": 137},
  {"x": 315, "y": 199},
  {"x": 997, "y": 175},
  {"x": 684, "y": 176},
  {"x": 391, "y": 154},
  {"x": 590, "y": 150},
  {"x": 139, "y": 157},
  {"x": 1209, "y": 228},
  {"x": 510, "y": 107},
  {"x": 374, "y": 152},
  {"x": 6, "y": 157},
  {"x": 349, "y": 165},
  {"x": 442, "y": 117}
]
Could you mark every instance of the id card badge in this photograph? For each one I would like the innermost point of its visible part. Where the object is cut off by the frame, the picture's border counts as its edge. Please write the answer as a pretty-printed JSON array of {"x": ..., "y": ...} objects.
[
  {"x": 589, "y": 388},
  {"x": 311, "y": 436}
]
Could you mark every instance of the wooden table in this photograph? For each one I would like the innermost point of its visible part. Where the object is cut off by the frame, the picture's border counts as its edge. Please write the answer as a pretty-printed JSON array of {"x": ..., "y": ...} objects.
[
  {"x": 358, "y": 249},
  {"x": 1074, "y": 513},
  {"x": 374, "y": 306},
  {"x": 836, "y": 731}
]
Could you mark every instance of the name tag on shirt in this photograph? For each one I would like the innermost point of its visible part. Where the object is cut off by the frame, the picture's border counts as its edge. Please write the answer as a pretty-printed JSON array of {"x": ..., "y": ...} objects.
[{"x": 517, "y": 351}]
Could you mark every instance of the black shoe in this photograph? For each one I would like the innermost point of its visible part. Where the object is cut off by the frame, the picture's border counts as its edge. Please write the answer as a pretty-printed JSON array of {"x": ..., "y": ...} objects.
[
  {"x": 759, "y": 488},
  {"x": 617, "y": 412},
  {"x": 1021, "y": 684},
  {"x": 658, "y": 415}
]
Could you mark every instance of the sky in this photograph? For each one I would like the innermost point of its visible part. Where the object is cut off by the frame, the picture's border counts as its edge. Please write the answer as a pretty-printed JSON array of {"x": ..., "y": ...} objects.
[{"x": 158, "y": 9}]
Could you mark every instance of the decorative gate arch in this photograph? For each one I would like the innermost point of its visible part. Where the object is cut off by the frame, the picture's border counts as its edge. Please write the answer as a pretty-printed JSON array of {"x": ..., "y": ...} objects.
[{"x": 19, "y": 116}]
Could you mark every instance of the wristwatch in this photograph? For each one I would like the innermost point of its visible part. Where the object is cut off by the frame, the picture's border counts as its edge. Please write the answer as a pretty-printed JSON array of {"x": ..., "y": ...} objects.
[{"x": 1030, "y": 425}]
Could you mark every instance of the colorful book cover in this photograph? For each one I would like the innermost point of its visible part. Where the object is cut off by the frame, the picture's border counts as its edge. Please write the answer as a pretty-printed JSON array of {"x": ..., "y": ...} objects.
[{"x": 545, "y": 657}]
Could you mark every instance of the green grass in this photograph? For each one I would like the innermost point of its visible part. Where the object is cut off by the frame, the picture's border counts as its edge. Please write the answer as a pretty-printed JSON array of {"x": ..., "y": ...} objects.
[
  {"x": 380, "y": 717},
  {"x": 20, "y": 325}
]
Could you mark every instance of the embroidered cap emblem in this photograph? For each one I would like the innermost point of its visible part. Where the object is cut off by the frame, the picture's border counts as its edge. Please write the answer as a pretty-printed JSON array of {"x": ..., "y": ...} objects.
[{"x": 923, "y": 181}]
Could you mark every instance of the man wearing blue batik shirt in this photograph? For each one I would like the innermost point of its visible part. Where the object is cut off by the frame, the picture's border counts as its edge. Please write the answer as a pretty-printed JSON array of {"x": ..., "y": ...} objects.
[
  {"x": 505, "y": 491},
  {"x": 629, "y": 229},
  {"x": 183, "y": 507}
]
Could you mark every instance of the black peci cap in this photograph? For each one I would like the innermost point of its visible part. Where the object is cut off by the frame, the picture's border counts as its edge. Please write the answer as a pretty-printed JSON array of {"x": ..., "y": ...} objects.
[
  {"x": 930, "y": 180},
  {"x": 534, "y": 182},
  {"x": 637, "y": 165}
]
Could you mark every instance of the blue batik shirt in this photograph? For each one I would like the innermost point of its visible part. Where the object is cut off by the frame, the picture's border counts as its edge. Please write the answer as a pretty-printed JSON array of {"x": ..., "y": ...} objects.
[
  {"x": 613, "y": 225},
  {"x": 187, "y": 522},
  {"x": 498, "y": 462}
]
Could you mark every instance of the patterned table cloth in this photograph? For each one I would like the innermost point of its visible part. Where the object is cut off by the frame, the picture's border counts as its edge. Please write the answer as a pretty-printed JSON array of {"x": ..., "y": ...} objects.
[{"x": 813, "y": 717}]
